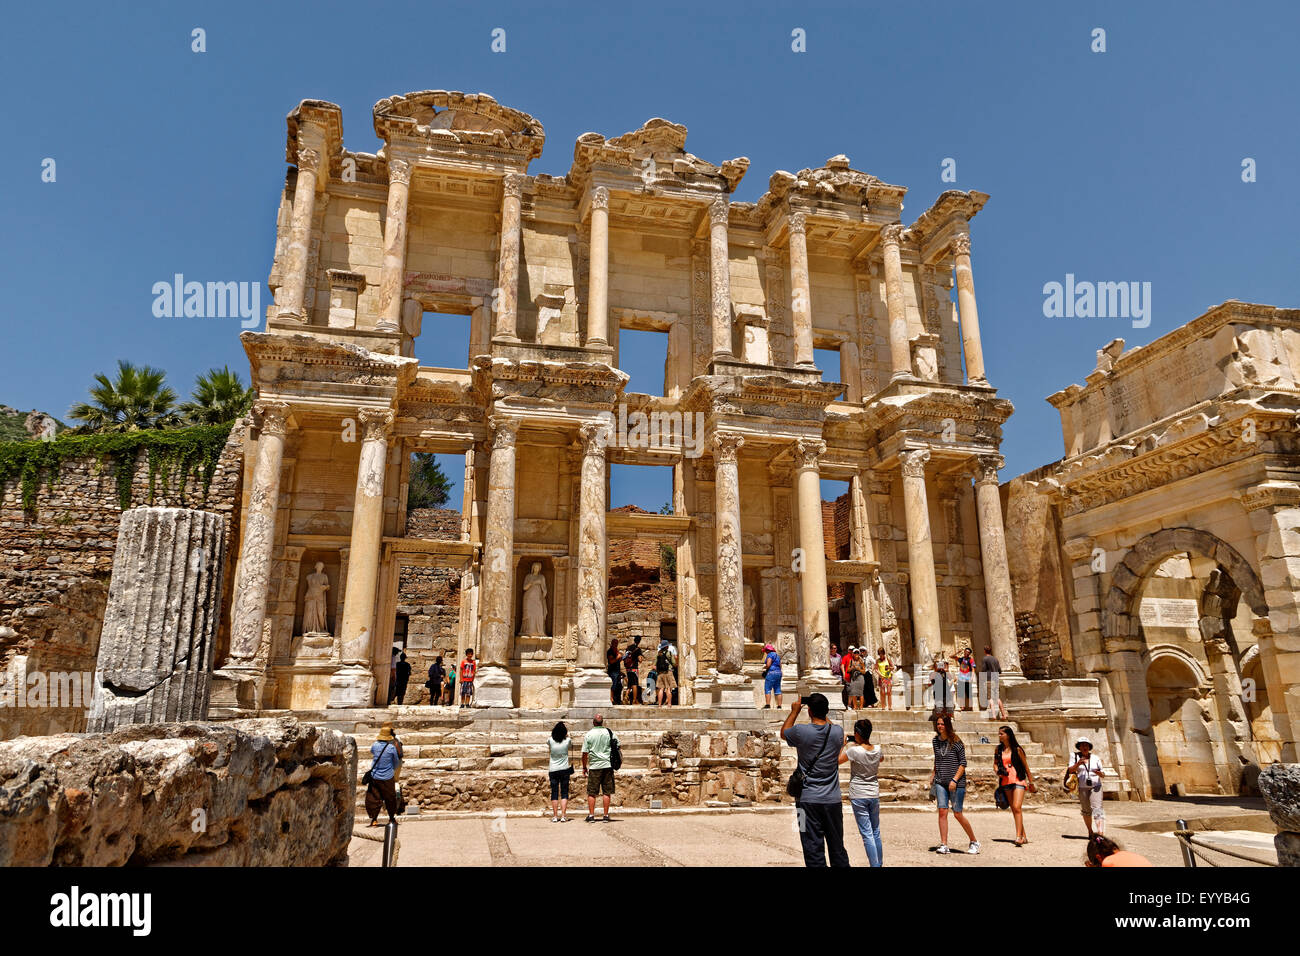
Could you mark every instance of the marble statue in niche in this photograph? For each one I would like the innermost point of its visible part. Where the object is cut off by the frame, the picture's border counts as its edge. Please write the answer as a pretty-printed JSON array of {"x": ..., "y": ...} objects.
[
  {"x": 534, "y": 616},
  {"x": 314, "y": 604}
]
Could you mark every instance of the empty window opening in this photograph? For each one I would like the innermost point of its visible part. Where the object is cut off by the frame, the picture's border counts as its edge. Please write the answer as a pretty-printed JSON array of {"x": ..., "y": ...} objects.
[
  {"x": 443, "y": 341},
  {"x": 644, "y": 356},
  {"x": 435, "y": 488}
]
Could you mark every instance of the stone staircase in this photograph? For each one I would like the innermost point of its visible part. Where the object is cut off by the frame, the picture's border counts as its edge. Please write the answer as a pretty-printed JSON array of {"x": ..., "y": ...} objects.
[{"x": 489, "y": 758}]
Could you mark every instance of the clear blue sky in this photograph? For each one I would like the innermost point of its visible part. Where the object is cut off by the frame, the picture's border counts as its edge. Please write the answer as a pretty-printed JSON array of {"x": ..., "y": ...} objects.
[{"x": 1115, "y": 166}]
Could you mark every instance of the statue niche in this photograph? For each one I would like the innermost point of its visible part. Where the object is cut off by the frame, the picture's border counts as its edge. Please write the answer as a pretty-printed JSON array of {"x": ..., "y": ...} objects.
[
  {"x": 315, "y": 639},
  {"x": 535, "y": 599}
]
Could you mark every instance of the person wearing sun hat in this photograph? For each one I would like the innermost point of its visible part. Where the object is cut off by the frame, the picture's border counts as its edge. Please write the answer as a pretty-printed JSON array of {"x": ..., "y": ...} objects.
[
  {"x": 1087, "y": 770},
  {"x": 381, "y": 778},
  {"x": 771, "y": 676}
]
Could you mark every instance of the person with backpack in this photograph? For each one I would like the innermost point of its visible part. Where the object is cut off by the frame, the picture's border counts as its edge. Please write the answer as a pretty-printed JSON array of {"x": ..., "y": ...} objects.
[
  {"x": 381, "y": 778},
  {"x": 1014, "y": 778},
  {"x": 600, "y": 758},
  {"x": 771, "y": 676},
  {"x": 815, "y": 784},
  {"x": 665, "y": 683}
]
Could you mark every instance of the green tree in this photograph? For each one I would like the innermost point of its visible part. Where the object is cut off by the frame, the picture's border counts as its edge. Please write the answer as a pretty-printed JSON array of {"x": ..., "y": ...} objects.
[
  {"x": 137, "y": 399},
  {"x": 428, "y": 486},
  {"x": 219, "y": 396}
]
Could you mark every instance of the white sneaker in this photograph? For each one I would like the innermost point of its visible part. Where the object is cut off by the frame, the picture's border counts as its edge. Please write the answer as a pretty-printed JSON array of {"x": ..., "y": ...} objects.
[
  {"x": 942, "y": 848},
  {"x": 974, "y": 847}
]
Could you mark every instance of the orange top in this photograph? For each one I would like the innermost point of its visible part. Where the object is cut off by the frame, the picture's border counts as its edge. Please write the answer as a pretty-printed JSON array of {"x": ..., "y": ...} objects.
[
  {"x": 1125, "y": 858},
  {"x": 1012, "y": 776}
]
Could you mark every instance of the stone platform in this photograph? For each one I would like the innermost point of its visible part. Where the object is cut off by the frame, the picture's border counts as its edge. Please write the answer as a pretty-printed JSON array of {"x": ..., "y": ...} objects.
[{"x": 489, "y": 758}]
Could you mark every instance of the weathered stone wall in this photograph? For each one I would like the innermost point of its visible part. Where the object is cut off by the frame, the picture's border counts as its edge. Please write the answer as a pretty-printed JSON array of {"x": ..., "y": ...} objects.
[
  {"x": 55, "y": 563},
  {"x": 268, "y": 792},
  {"x": 440, "y": 524},
  {"x": 430, "y": 600},
  {"x": 1038, "y": 585}
]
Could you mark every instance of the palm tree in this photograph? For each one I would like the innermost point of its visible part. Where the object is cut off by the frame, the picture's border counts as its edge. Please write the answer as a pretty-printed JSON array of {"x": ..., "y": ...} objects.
[
  {"x": 137, "y": 399},
  {"x": 427, "y": 487},
  {"x": 219, "y": 396}
]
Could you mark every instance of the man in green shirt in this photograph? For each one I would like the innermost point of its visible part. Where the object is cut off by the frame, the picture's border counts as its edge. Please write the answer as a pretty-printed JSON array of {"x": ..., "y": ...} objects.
[{"x": 596, "y": 748}]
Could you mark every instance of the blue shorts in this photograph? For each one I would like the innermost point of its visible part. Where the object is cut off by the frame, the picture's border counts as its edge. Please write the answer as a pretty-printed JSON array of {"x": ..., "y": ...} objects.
[
  {"x": 950, "y": 799},
  {"x": 772, "y": 682}
]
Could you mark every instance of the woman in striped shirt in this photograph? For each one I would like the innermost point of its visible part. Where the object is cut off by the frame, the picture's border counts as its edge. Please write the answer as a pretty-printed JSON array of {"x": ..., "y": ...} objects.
[{"x": 948, "y": 781}]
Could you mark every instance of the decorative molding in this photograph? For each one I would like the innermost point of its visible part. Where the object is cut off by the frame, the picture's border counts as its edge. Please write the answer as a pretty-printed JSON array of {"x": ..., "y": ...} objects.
[
  {"x": 725, "y": 446},
  {"x": 807, "y": 452},
  {"x": 375, "y": 423},
  {"x": 913, "y": 462},
  {"x": 271, "y": 418},
  {"x": 399, "y": 171},
  {"x": 960, "y": 244}
]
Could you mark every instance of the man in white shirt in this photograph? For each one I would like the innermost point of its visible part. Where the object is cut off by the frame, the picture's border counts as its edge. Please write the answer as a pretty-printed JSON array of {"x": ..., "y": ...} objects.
[{"x": 1088, "y": 770}]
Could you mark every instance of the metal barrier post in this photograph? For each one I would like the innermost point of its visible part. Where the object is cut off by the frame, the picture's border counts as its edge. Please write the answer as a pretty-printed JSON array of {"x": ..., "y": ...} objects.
[
  {"x": 390, "y": 841},
  {"x": 1189, "y": 858}
]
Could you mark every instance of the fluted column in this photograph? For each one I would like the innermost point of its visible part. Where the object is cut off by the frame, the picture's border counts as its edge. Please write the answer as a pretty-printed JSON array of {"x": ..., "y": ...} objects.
[
  {"x": 496, "y": 603},
  {"x": 720, "y": 278},
  {"x": 997, "y": 574},
  {"x": 969, "y": 316},
  {"x": 598, "y": 270},
  {"x": 729, "y": 615},
  {"x": 800, "y": 290},
  {"x": 353, "y": 684},
  {"x": 507, "y": 300},
  {"x": 812, "y": 543},
  {"x": 272, "y": 420},
  {"x": 392, "y": 277},
  {"x": 900, "y": 347},
  {"x": 926, "y": 637},
  {"x": 294, "y": 283},
  {"x": 592, "y": 684}
]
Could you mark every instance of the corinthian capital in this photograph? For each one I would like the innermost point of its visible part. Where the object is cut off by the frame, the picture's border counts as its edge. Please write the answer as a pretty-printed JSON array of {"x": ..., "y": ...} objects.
[
  {"x": 513, "y": 186},
  {"x": 725, "y": 446},
  {"x": 719, "y": 209},
  {"x": 600, "y": 198},
  {"x": 808, "y": 451},
  {"x": 375, "y": 423},
  {"x": 308, "y": 159},
  {"x": 505, "y": 428},
  {"x": 987, "y": 467},
  {"x": 271, "y": 418},
  {"x": 798, "y": 222},
  {"x": 961, "y": 244},
  {"x": 399, "y": 171},
  {"x": 913, "y": 461},
  {"x": 595, "y": 438},
  {"x": 892, "y": 234}
]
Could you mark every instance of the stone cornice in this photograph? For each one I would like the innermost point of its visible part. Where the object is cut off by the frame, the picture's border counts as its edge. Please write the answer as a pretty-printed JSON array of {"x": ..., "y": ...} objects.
[{"x": 267, "y": 349}]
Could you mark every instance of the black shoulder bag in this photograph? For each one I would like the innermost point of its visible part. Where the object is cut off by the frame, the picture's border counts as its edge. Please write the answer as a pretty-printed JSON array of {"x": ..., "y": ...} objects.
[
  {"x": 794, "y": 786},
  {"x": 368, "y": 777},
  {"x": 615, "y": 752}
]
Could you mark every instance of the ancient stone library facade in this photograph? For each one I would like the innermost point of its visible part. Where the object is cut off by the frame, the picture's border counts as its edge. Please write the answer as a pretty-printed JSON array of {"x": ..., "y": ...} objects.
[{"x": 379, "y": 253}]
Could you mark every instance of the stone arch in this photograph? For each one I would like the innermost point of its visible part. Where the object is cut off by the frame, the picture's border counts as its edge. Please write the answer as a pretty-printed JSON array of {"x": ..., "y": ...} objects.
[
  {"x": 1157, "y": 652},
  {"x": 1126, "y": 583}
]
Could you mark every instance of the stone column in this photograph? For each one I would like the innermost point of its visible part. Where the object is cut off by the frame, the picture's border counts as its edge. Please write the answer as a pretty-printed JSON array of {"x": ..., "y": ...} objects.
[
  {"x": 353, "y": 685},
  {"x": 507, "y": 300},
  {"x": 900, "y": 347},
  {"x": 800, "y": 291},
  {"x": 720, "y": 279},
  {"x": 997, "y": 574},
  {"x": 733, "y": 688},
  {"x": 164, "y": 603},
  {"x": 1274, "y": 510},
  {"x": 591, "y": 687},
  {"x": 393, "y": 275},
  {"x": 295, "y": 267},
  {"x": 926, "y": 638},
  {"x": 970, "y": 320},
  {"x": 494, "y": 687},
  {"x": 240, "y": 680},
  {"x": 814, "y": 654},
  {"x": 598, "y": 270}
]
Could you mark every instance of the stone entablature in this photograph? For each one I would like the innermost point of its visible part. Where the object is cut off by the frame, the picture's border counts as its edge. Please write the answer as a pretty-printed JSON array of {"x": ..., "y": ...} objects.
[{"x": 638, "y": 235}]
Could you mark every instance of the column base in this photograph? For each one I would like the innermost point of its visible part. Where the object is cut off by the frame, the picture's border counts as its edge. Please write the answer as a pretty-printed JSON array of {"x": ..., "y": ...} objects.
[
  {"x": 733, "y": 691},
  {"x": 591, "y": 688},
  {"x": 494, "y": 688},
  {"x": 823, "y": 682},
  {"x": 237, "y": 685},
  {"x": 351, "y": 686}
]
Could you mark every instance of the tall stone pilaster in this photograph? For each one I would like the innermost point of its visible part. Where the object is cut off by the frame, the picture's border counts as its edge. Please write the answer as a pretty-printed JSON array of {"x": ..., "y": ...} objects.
[
  {"x": 720, "y": 278},
  {"x": 353, "y": 685},
  {"x": 239, "y": 681},
  {"x": 507, "y": 300},
  {"x": 900, "y": 346},
  {"x": 592, "y": 684},
  {"x": 598, "y": 274},
  {"x": 969, "y": 316},
  {"x": 733, "y": 689},
  {"x": 294, "y": 284},
  {"x": 800, "y": 290},
  {"x": 494, "y": 687},
  {"x": 160, "y": 626},
  {"x": 391, "y": 279},
  {"x": 997, "y": 573},
  {"x": 926, "y": 637}
]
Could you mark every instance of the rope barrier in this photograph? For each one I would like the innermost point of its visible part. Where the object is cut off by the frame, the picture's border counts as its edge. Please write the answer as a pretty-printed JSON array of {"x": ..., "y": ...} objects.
[{"x": 1187, "y": 838}]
